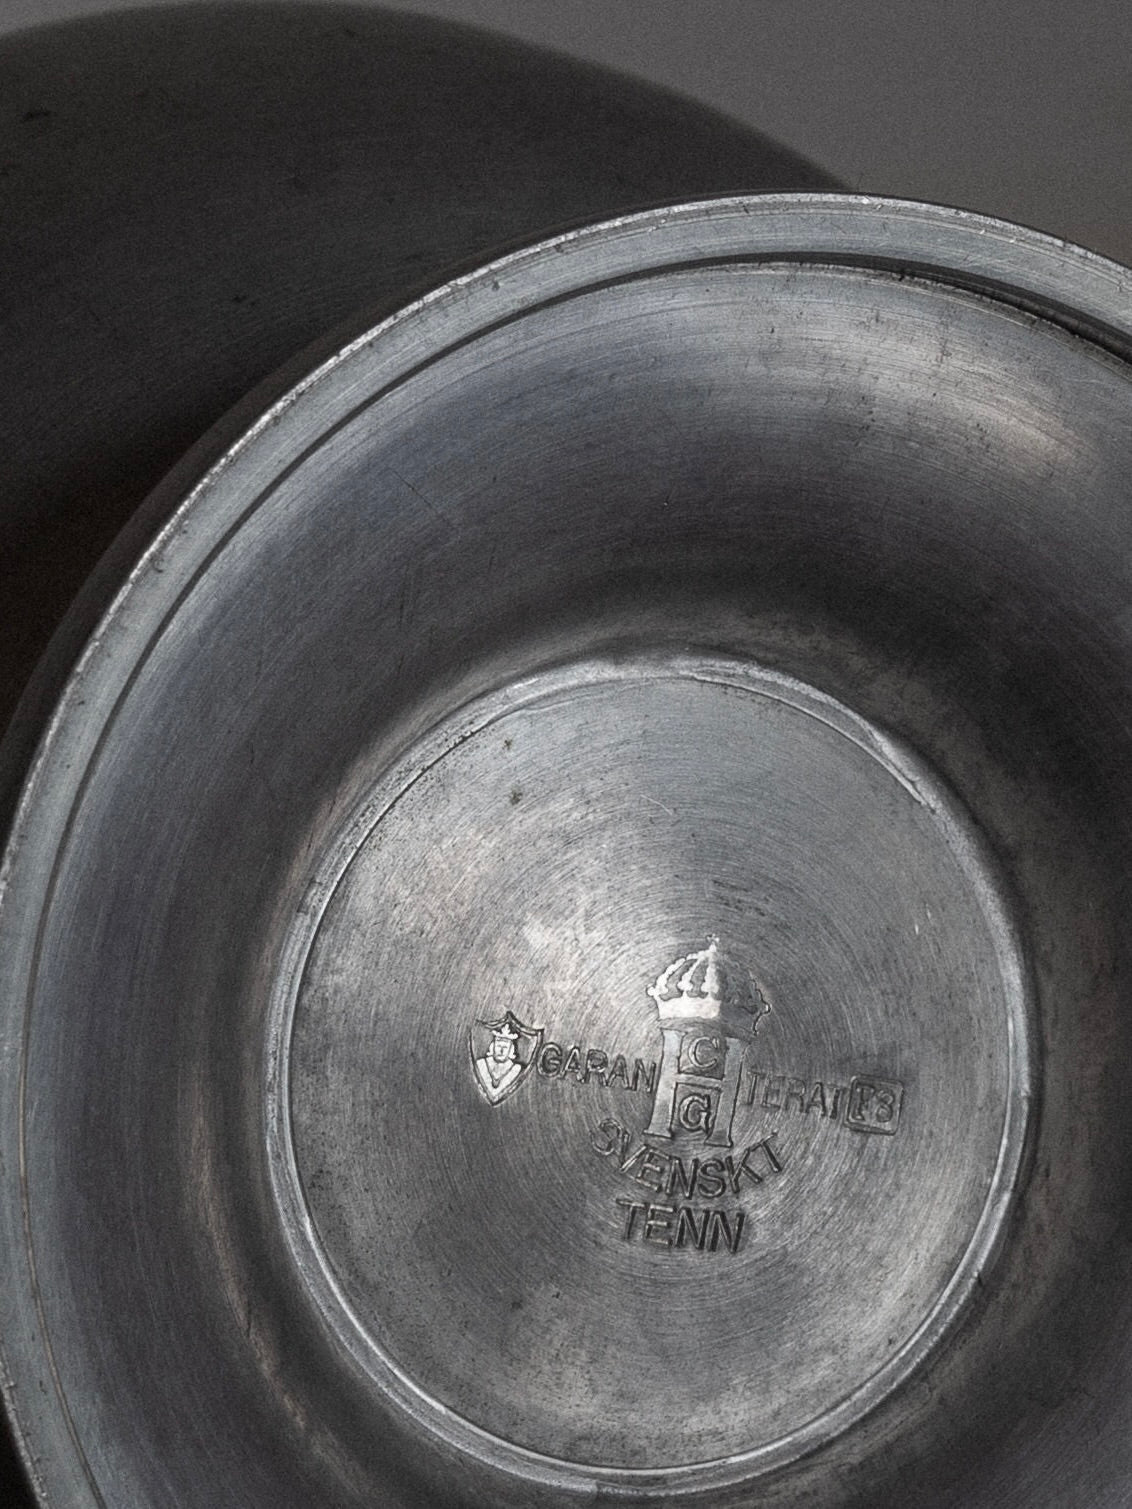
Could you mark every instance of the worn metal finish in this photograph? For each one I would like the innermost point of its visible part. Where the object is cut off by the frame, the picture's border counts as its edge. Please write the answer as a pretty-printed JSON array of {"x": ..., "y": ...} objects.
[
  {"x": 565, "y": 943},
  {"x": 647, "y": 1192}
]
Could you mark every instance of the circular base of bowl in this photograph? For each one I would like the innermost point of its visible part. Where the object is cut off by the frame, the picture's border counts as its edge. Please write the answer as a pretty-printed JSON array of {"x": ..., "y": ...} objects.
[
  {"x": 651, "y": 1076},
  {"x": 565, "y": 940}
]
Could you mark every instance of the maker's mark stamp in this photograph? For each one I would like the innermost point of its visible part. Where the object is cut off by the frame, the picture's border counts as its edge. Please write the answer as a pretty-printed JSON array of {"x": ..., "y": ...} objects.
[
  {"x": 874, "y": 1104},
  {"x": 503, "y": 1054},
  {"x": 708, "y": 1008},
  {"x": 709, "y": 1011}
]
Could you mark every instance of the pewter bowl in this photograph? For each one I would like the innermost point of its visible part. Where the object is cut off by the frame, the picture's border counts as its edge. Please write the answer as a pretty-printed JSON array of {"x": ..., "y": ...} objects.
[{"x": 565, "y": 941}]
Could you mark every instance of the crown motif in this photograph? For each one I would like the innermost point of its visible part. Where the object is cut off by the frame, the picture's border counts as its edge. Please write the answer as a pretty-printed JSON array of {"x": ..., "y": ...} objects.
[{"x": 709, "y": 987}]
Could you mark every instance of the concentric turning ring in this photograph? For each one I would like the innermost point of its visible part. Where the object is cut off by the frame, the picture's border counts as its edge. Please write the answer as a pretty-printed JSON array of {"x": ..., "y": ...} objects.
[
  {"x": 710, "y": 989},
  {"x": 527, "y": 940}
]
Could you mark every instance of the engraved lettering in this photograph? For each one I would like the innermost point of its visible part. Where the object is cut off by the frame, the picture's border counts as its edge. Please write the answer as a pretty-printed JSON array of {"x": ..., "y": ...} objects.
[
  {"x": 744, "y": 1169},
  {"x": 686, "y": 1228},
  {"x": 769, "y": 1151},
  {"x": 692, "y": 1111},
  {"x": 597, "y": 1062},
  {"x": 628, "y": 1165},
  {"x": 795, "y": 1091},
  {"x": 712, "y": 1182},
  {"x": 720, "y": 1226},
  {"x": 550, "y": 1061},
  {"x": 658, "y": 1224},
  {"x": 708, "y": 1010},
  {"x": 866, "y": 1104},
  {"x": 585, "y": 1065},
  {"x": 874, "y": 1105},
  {"x": 632, "y": 1210},
  {"x": 645, "y": 1073},
  {"x": 573, "y": 1064},
  {"x": 773, "y": 1087},
  {"x": 677, "y": 1173},
  {"x": 701, "y": 1054},
  {"x": 817, "y": 1099},
  {"x": 608, "y": 1138},
  {"x": 618, "y": 1074},
  {"x": 652, "y": 1170},
  {"x": 885, "y": 1108},
  {"x": 673, "y": 1176}
]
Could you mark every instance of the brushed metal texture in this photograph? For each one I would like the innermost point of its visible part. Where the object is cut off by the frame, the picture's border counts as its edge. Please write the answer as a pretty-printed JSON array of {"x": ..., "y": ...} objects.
[
  {"x": 565, "y": 942},
  {"x": 849, "y": 1035}
]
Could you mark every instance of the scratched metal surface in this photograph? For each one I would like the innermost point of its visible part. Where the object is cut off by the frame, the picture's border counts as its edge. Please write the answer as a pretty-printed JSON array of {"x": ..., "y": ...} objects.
[
  {"x": 693, "y": 957},
  {"x": 567, "y": 943}
]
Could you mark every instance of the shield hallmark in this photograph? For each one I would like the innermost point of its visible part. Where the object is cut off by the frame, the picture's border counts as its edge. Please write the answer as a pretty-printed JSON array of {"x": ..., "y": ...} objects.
[{"x": 503, "y": 1054}]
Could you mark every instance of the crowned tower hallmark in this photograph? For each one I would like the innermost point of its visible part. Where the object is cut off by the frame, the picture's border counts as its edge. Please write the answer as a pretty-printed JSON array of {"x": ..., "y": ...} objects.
[{"x": 709, "y": 1009}]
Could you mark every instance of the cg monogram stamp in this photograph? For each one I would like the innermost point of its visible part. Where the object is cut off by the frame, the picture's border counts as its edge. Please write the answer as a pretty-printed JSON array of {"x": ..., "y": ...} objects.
[{"x": 709, "y": 1011}]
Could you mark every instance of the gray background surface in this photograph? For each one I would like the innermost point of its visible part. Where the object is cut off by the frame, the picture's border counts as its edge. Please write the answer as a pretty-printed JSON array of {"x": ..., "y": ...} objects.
[{"x": 1019, "y": 108}]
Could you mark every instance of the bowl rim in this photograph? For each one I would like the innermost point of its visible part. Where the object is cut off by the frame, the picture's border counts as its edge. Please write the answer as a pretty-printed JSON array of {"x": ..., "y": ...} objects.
[{"x": 132, "y": 596}]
